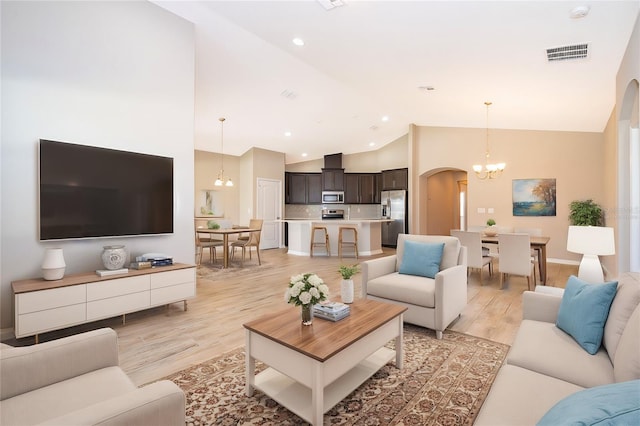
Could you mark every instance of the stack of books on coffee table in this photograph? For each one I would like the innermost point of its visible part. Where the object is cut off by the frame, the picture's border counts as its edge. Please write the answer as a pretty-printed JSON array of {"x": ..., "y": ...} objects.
[{"x": 332, "y": 311}]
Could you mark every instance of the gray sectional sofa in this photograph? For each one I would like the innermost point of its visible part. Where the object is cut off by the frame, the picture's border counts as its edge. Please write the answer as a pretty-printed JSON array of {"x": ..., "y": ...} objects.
[
  {"x": 545, "y": 364},
  {"x": 76, "y": 381}
]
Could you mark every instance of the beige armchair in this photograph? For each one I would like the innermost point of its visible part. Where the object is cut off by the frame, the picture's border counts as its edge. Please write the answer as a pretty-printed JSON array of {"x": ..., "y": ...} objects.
[
  {"x": 76, "y": 381},
  {"x": 431, "y": 302}
]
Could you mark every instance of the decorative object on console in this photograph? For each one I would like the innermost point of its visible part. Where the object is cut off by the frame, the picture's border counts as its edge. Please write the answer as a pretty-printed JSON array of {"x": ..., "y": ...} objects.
[
  {"x": 114, "y": 257},
  {"x": 53, "y": 264},
  {"x": 591, "y": 241},
  {"x": 306, "y": 290},
  {"x": 489, "y": 170},
  {"x": 346, "y": 286},
  {"x": 221, "y": 177}
]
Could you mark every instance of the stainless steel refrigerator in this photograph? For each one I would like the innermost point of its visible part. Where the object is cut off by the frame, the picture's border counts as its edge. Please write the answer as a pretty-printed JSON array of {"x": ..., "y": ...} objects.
[{"x": 394, "y": 206}]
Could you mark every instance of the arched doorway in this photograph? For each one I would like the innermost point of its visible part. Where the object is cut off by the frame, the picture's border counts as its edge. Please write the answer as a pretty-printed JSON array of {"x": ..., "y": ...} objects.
[{"x": 443, "y": 195}]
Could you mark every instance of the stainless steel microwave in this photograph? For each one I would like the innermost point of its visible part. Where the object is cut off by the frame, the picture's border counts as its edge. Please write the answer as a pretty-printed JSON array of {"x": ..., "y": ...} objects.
[{"x": 332, "y": 197}]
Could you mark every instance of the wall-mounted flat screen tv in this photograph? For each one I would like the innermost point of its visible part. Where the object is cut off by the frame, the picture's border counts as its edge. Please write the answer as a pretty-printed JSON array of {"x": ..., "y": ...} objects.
[{"x": 91, "y": 192}]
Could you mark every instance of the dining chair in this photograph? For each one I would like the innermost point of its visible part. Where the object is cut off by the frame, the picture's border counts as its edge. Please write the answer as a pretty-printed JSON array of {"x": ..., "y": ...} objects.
[
  {"x": 476, "y": 258},
  {"x": 206, "y": 243},
  {"x": 480, "y": 228},
  {"x": 515, "y": 257},
  {"x": 253, "y": 224},
  {"x": 536, "y": 252},
  {"x": 253, "y": 241}
]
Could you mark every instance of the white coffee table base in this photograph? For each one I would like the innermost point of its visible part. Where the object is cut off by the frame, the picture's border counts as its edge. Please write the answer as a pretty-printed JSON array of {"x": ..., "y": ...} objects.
[{"x": 309, "y": 387}]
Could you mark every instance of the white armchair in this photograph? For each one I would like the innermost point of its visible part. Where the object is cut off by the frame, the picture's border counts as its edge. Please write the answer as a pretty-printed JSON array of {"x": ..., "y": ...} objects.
[{"x": 431, "y": 302}]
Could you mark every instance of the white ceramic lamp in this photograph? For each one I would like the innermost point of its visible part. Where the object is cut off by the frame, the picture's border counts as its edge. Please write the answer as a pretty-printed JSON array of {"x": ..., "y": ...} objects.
[
  {"x": 53, "y": 264},
  {"x": 591, "y": 242}
]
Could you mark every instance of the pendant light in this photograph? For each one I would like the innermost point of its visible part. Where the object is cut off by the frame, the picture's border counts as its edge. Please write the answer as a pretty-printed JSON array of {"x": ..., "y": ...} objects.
[
  {"x": 489, "y": 170},
  {"x": 219, "y": 181}
]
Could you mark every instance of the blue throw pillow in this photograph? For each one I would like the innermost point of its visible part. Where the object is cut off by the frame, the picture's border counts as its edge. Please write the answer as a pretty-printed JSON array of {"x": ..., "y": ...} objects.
[
  {"x": 421, "y": 258},
  {"x": 616, "y": 404},
  {"x": 584, "y": 310}
]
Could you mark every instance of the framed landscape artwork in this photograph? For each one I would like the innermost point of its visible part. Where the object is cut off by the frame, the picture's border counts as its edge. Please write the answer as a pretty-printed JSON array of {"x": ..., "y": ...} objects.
[
  {"x": 534, "y": 197},
  {"x": 210, "y": 204}
]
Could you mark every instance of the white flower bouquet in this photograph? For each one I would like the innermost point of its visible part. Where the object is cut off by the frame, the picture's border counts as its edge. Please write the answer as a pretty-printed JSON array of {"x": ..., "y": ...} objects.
[{"x": 306, "y": 289}]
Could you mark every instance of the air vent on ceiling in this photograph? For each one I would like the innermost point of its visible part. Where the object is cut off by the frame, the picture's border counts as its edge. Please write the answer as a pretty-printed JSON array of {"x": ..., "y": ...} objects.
[{"x": 563, "y": 53}]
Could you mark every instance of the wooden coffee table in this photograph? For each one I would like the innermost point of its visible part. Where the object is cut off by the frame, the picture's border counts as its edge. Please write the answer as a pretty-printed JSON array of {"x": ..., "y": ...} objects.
[{"x": 312, "y": 368}]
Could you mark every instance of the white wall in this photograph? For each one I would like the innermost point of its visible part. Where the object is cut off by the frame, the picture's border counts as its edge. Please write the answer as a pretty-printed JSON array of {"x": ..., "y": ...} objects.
[{"x": 108, "y": 74}]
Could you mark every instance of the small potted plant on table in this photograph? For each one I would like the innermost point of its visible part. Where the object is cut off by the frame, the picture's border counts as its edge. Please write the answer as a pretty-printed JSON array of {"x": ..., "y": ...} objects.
[
  {"x": 346, "y": 287},
  {"x": 491, "y": 230}
]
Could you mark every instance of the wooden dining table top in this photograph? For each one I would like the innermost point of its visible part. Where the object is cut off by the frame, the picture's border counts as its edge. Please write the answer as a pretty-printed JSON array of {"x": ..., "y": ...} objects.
[
  {"x": 227, "y": 231},
  {"x": 535, "y": 240}
]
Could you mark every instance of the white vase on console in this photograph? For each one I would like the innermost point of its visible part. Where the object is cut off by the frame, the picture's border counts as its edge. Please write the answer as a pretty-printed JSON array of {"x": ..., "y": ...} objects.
[{"x": 53, "y": 265}]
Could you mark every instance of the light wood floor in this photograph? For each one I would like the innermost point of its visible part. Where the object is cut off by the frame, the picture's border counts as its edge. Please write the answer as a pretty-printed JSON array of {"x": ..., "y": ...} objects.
[{"x": 161, "y": 341}]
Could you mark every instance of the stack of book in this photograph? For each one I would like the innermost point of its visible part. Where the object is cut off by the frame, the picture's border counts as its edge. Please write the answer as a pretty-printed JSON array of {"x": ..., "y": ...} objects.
[{"x": 332, "y": 311}]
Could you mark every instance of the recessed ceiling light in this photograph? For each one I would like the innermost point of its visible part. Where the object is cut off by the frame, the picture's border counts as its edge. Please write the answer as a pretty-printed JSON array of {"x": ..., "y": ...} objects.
[
  {"x": 304, "y": 154},
  {"x": 579, "y": 12},
  {"x": 385, "y": 118},
  {"x": 298, "y": 41},
  {"x": 287, "y": 134},
  {"x": 372, "y": 144},
  {"x": 426, "y": 88}
]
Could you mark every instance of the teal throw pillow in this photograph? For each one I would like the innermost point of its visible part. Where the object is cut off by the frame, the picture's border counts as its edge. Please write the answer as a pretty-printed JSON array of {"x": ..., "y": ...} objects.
[
  {"x": 584, "y": 310},
  {"x": 615, "y": 404},
  {"x": 421, "y": 258}
]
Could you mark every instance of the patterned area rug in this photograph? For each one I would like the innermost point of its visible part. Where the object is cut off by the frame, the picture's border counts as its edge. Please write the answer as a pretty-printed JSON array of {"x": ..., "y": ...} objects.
[{"x": 443, "y": 382}]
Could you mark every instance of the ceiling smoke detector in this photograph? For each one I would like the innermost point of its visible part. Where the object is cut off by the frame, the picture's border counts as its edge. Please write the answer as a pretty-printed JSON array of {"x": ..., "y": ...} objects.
[
  {"x": 579, "y": 12},
  {"x": 563, "y": 53},
  {"x": 331, "y": 4}
]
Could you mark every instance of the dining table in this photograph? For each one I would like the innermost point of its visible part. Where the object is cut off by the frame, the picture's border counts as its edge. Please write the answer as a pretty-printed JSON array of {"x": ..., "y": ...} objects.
[
  {"x": 537, "y": 242},
  {"x": 225, "y": 232}
]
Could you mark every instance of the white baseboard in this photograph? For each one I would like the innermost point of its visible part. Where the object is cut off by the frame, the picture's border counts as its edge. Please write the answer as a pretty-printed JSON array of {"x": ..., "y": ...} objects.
[{"x": 563, "y": 261}]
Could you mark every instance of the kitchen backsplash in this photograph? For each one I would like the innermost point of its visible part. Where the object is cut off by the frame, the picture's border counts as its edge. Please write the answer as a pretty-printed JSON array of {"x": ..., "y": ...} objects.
[{"x": 351, "y": 211}]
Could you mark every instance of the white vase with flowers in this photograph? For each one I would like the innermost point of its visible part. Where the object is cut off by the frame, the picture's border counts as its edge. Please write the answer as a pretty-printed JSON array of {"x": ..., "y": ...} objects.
[{"x": 306, "y": 290}]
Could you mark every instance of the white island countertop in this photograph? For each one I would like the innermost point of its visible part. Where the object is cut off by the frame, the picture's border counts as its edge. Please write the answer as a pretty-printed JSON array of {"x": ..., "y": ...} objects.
[{"x": 369, "y": 234}]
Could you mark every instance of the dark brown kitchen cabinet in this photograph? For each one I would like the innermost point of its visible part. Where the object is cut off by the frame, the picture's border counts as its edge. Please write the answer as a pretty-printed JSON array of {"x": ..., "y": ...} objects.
[
  {"x": 395, "y": 179},
  {"x": 303, "y": 188},
  {"x": 333, "y": 179},
  {"x": 362, "y": 188}
]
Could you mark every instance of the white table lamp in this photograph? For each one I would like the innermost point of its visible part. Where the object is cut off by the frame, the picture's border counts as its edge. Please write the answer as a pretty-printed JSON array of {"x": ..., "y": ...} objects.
[{"x": 591, "y": 242}]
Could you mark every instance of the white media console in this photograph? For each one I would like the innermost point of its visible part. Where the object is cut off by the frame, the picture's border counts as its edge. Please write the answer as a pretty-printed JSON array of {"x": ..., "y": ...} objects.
[{"x": 42, "y": 306}]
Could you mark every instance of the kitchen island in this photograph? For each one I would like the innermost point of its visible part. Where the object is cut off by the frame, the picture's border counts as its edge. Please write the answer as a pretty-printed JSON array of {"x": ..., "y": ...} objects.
[{"x": 369, "y": 234}]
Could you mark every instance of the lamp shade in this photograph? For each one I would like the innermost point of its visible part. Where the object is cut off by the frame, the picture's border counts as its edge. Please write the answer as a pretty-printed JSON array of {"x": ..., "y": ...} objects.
[{"x": 598, "y": 240}]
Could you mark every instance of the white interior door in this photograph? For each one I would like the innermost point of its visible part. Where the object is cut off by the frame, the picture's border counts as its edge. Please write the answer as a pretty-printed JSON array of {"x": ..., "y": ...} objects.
[{"x": 270, "y": 210}]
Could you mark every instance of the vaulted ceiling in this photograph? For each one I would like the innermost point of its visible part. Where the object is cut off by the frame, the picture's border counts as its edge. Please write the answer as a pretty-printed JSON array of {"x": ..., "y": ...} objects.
[{"x": 431, "y": 63}]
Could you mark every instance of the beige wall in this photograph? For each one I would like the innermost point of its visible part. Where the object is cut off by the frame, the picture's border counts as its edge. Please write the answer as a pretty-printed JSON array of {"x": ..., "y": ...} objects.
[
  {"x": 391, "y": 156},
  {"x": 206, "y": 168},
  {"x": 574, "y": 159},
  {"x": 240, "y": 199}
]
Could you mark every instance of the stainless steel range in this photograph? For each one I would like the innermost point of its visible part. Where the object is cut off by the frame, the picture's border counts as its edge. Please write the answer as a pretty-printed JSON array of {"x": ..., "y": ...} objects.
[{"x": 332, "y": 214}]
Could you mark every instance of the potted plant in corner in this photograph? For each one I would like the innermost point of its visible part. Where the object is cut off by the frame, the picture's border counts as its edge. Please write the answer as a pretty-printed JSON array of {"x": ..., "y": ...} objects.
[
  {"x": 491, "y": 230},
  {"x": 585, "y": 213},
  {"x": 346, "y": 287}
]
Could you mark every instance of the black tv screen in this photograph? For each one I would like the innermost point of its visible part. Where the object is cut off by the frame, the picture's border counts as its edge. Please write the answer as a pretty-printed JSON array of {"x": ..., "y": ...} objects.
[{"x": 90, "y": 192}]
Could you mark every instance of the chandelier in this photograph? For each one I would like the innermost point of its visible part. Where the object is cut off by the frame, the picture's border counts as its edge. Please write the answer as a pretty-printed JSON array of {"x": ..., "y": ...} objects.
[
  {"x": 489, "y": 170},
  {"x": 219, "y": 181}
]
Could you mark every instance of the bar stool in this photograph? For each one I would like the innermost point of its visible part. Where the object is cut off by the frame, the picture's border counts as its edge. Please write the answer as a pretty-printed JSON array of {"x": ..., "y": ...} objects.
[
  {"x": 342, "y": 243},
  {"x": 324, "y": 243}
]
